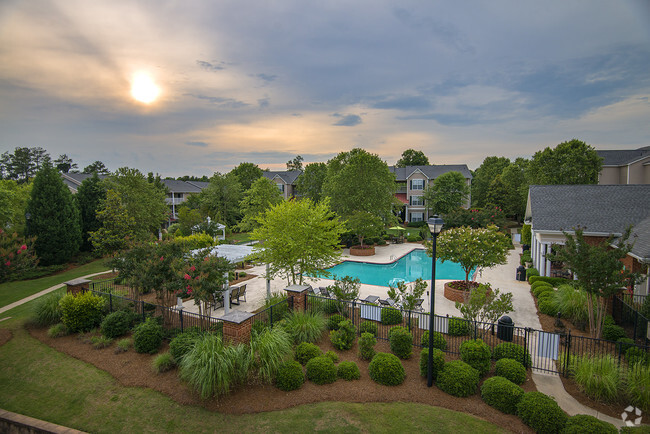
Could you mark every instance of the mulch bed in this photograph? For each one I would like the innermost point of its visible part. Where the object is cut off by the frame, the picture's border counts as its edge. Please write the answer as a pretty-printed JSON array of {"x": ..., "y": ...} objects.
[
  {"x": 131, "y": 369},
  {"x": 5, "y": 336}
]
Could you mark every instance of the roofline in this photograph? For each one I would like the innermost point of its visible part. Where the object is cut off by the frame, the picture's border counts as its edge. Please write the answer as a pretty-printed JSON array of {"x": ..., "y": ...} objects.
[
  {"x": 627, "y": 163},
  {"x": 639, "y": 258},
  {"x": 588, "y": 234}
]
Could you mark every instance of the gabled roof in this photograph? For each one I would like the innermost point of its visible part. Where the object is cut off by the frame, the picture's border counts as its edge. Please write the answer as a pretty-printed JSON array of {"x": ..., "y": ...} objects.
[
  {"x": 641, "y": 238},
  {"x": 175, "y": 186},
  {"x": 623, "y": 157},
  {"x": 287, "y": 176},
  {"x": 598, "y": 209},
  {"x": 431, "y": 171},
  {"x": 74, "y": 180}
]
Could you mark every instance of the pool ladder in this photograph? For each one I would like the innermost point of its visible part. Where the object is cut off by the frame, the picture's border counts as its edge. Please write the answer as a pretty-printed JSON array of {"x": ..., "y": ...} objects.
[{"x": 392, "y": 257}]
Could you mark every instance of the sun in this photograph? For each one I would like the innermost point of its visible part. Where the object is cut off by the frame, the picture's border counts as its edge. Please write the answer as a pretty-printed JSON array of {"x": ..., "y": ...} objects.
[{"x": 143, "y": 88}]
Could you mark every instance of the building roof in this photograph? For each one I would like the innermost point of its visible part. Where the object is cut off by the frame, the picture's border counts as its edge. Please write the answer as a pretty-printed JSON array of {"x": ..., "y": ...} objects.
[
  {"x": 640, "y": 236},
  {"x": 175, "y": 186},
  {"x": 431, "y": 171},
  {"x": 287, "y": 176},
  {"x": 623, "y": 157},
  {"x": 597, "y": 209},
  {"x": 74, "y": 180}
]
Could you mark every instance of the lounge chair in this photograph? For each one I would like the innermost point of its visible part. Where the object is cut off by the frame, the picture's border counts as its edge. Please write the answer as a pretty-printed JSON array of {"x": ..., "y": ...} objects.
[
  {"x": 418, "y": 305},
  {"x": 384, "y": 303},
  {"x": 316, "y": 291},
  {"x": 242, "y": 292},
  {"x": 234, "y": 296},
  {"x": 370, "y": 299},
  {"x": 324, "y": 292}
]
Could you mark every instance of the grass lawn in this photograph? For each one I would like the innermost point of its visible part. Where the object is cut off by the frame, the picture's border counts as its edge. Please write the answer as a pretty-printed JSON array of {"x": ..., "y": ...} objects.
[
  {"x": 14, "y": 291},
  {"x": 238, "y": 238},
  {"x": 406, "y": 232}
]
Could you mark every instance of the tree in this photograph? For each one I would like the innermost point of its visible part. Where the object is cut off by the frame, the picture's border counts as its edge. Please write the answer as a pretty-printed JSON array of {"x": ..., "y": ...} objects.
[
  {"x": 572, "y": 162},
  {"x": 16, "y": 256},
  {"x": 598, "y": 270},
  {"x": 205, "y": 277},
  {"x": 363, "y": 225},
  {"x": 295, "y": 164},
  {"x": 472, "y": 249},
  {"x": 485, "y": 305},
  {"x": 408, "y": 296},
  {"x": 497, "y": 193},
  {"x": 96, "y": 167},
  {"x": 263, "y": 194},
  {"x": 346, "y": 289},
  {"x": 64, "y": 164},
  {"x": 310, "y": 183},
  {"x": 40, "y": 157},
  {"x": 21, "y": 165},
  {"x": 516, "y": 184},
  {"x": 188, "y": 218},
  {"x": 483, "y": 176},
  {"x": 54, "y": 218},
  {"x": 220, "y": 200},
  {"x": 299, "y": 238},
  {"x": 411, "y": 157},
  {"x": 13, "y": 202},
  {"x": 247, "y": 174},
  {"x": 5, "y": 165},
  {"x": 192, "y": 178},
  {"x": 117, "y": 226},
  {"x": 90, "y": 195},
  {"x": 360, "y": 181},
  {"x": 448, "y": 192}
]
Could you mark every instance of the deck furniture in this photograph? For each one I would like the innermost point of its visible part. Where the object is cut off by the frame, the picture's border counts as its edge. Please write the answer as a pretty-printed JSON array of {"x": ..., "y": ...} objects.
[
  {"x": 234, "y": 296},
  {"x": 371, "y": 299}
]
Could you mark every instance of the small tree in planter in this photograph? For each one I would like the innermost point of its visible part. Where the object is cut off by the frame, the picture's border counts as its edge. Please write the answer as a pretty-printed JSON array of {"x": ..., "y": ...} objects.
[
  {"x": 485, "y": 305},
  {"x": 364, "y": 224}
]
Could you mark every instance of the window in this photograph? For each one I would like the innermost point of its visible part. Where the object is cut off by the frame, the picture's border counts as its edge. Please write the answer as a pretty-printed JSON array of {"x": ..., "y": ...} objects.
[
  {"x": 417, "y": 201},
  {"x": 416, "y": 217},
  {"x": 281, "y": 188},
  {"x": 417, "y": 184}
]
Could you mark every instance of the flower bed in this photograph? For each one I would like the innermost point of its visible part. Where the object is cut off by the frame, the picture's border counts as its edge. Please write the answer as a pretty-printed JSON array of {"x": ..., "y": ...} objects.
[
  {"x": 362, "y": 251},
  {"x": 458, "y": 290}
]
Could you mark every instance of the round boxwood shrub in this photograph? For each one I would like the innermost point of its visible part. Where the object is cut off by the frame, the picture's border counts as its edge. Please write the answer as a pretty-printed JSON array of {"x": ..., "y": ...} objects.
[
  {"x": 457, "y": 378},
  {"x": 182, "y": 344},
  {"x": 386, "y": 369},
  {"x": 541, "y": 413},
  {"x": 321, "y": 370},
  {"x": 510, "y": 350},
  {"x": 289, "y": 376},
  {"x": 439, "y": 340},
  {"x": 391, "y": 316},
  {"x": 81, "y": 312},
  {"x": 148, "y": 336},
  {"x": 332, "y": 355},
  {"x": 537, "y": 284},
  {"x": 367, "y": 344},
  {"x": 530, "y": 272},
  {"x": 438, "y": 362},
  {"x": 613, "y": 332},
  {"x": 511, "y": 369},
  {"x": 306, "y": 351},
  {"x": 334, "y": 321},
  {"x": 116, "y": 324},
  {"x": 343, "y": 338},
  {"x": 401, "y": 342},
  {"x": 584, "y": 423},
  {"x": 543, "y": 289},
  {"x": 502, "y": 394},
  {"x": 477, "y": 354},
  {"x": 348, "y": 370},
  {"x": 368, "y": 327},
  {"x": 458, "y": 327}
]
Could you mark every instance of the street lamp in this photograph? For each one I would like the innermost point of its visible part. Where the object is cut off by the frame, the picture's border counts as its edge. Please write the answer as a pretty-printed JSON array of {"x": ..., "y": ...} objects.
[{"x": 435, "y": 226}]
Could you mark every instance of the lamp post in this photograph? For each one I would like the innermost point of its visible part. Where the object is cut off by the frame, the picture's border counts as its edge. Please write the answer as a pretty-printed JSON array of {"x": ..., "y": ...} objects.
[{"x": 435, "y": 226}]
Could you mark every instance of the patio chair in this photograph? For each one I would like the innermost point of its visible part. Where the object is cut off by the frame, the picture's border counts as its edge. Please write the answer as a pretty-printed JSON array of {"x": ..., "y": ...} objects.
[
  {"x": 242, "y": 292},
  {"x": 324, "y": 292},
  {"x": 384, "y": 303},
  {"x": 316, "y": 291},
  {"x": 234, "y": 296},
  {"x": 418, "y": 305},
  {"x": 371, "y": 299},
  {"x": 216, "y": 301}
]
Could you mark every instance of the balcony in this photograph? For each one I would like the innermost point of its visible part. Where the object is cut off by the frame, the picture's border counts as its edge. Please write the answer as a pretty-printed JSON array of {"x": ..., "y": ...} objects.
[{"x": 174, "y": 200}]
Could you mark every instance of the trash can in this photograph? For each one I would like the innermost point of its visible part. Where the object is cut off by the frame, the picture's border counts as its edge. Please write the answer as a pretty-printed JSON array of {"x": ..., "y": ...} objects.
[
  {"x": 505, "y": 328},
  {"x": 521, "y": 273}
]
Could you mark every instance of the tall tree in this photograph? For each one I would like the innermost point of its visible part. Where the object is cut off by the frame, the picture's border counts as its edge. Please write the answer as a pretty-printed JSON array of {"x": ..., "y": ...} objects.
[
  {"x": 295, "y": 164},
  {"x": 220, "y": 200},
  {"x": 300, "y": 238},
  {"x": 21, "y": 165},
  {"x": 360, "y": 181},
  {"x": 411, "y": 157},
  {"x": 117, "y": 226},
  {"x": 572, "y": 162},
  {"x": 448, "y": 192},
  {"x": 516, "y": 184},
  {"x": 262, "y": 195},
  {"x": 5, "y": 165},
  {"x": 64, "y": 164},
  {"x": 39, "y": 156},
  {"x": 97, "y": 167},
  {"x": 90, "y": 196},
  {"x": 13, "y": 202},
  {"x": 483, "y": 176},
  {"x": 54, "y": 218},
  {"x": 363, "y": 225},
  {"x": 497, "y": 193},
  {"x": 247, "y": 174},
  {"x": 310, "y": 183}
]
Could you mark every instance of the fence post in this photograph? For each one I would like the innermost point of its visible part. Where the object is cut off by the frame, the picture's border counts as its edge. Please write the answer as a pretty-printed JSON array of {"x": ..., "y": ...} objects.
[
  {"x": 526, "y": 330},
  {"x": 142, "y": 307},
  {"x": 180, "y": 314},
  {"x": 636, "y": 321},
  {"x": 271, "y": 314},
  {"x": 409, "y": 323},
  {"x": 567, "y": 355},
  {"x": 354, "y": 310},
  {"x": 110, "y": 301}
]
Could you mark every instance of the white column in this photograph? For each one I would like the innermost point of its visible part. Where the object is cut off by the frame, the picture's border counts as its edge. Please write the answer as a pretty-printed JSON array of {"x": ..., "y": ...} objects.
[
  {"x": 533, "y": 254},
  {"x": 539, "y": 256},
  {"x": 548, "y": 261},
  {"x": 268, "y": 282}
]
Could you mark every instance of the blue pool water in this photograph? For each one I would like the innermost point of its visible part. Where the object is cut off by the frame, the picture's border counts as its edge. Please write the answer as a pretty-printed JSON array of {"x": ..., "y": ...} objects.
[{"x": 409, "y": 267}]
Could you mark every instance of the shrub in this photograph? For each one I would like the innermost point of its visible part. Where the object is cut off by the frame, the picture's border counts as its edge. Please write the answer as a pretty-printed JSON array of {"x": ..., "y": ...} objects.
[
  {"x": 99, "y": 342},
  {"x": 539, "y": 283},
  {"x": 368, "y": 327},
  {"x": 547, "y": 306},
  {"x": 269, "y": 350},
  {"x": 530, "y": 272},
  {"x": 438, "y": 362},
  {"x": 163, "y": 362},
  {"x": 401, "y": 342},
  {"x": 511, "y": 369},
  {"x": 413, "y": 238},
  {"x": 584, "y": 423},
  {"x": 502, "y": 394},
  {"x": 635, "y": 355},
  {"x": 386, "y": 369},
  {"x": 391, "y": 316},
  {"x": 613, "y": 332},
  {"x": 457, "y": 378},
  {"x": 525, "y": 257},
  {"x": 57, "y": 330},
  {"x": 624, "y": 344},
  {"x": 343, "y": 338},
  {"x": 599, "y": 377},
  {"x": 47, "y": 311},
  {"x": 81, "y": 312},
  {"x": 637, "y": 386},
  {"x": 290, "y": 376},
  {"x": 306, "y": 351},
  {"x": 509, "y": 350},
  {"x": 458, "y": 327},
  {"x": 123, "y": 345},
  {"x": 608, "y": 320},
  {"x": 348, "y": 371},
  {"x": 182, "y": 344},
  {"x": 148, "y": 336},
  {"x": 539, "y": 289},
  {"x": 477, "y": 354},
  {"x": 333, "y": 306},
  {"x": 439, "y": 340},
  {"x": 305, "y": 326},
  {"x": 334, "y": 321},
  {"x": 321, "y": 370},
  {"x": 367, "y": 343},
  {"x": 332, "y": 355},
  {"x": 116, "y": 324},
  {"x": 572, "y": 303},
  {"x": 541, "y": 413},
  {"x": 555, "y": 281}
]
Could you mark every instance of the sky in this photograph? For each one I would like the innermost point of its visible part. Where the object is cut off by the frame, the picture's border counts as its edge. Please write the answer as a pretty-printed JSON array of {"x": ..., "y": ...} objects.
[{"x": 264, "y": 81}]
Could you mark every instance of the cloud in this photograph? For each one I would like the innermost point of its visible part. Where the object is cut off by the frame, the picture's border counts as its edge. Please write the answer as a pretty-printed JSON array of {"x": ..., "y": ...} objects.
[
  {"x": 347, "y": 120},
  {"x": 199, "y": 144},
  {"x": 443, "y": 31},
  {"x": 209, "y": 66},
  {"x": 264, "y": 102},
  {"x": 267, "y": 77},
  {"x": 402, "y": 103},
  {"x": 229, "y": 103}
]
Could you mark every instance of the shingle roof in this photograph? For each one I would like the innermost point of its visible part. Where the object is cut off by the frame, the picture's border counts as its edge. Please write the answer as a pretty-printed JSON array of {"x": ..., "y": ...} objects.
[
  {"x": 288, "y": 176},
  {"x": 607, "y": 209},
  {"x": 74, "y": 180},
  {"x": 175, "y": 186},
  {"x": 431, "y": 172},
  {"x": 641, "y": 238},
  {"x": 623, "y": 157}
]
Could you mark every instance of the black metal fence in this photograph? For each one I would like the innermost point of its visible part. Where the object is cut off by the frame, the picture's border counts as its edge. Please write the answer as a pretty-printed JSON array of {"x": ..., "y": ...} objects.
[
  {"x": 626, "y": 310},
  {"x": 272, "y": 314}
]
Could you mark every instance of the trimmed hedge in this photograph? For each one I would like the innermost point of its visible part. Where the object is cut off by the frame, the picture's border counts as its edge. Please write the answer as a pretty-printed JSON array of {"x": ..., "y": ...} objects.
[
  {"x": 477, "y": 354},
  {"x": 509, "y": 350},
  {"x": 541, "y": 413},
  {"x": 386, "y": 369},
  {"x": 148, "y": 337},
  {"x": 539, "y": 283},
  {"x": 439, "y": 340},
  {"x": 391, "y": 316},
  {"x": 554, "y": 281},
  {"x": 458, "y": 327},
  {"x": 321, "y": 370},
  {"x": 541, "y": 290},
  {"x": 584, "y": 423},
  {"x": 511, "y": 369},
  {"x": 368, "y": 327},
  {"x": 367, "y": 344},
  {"x": 305, "y": 351},
  {"x": 348, "y": 371},
  {"x": 81, "y": 312},
  {"x": 502, "y": 394},
  {"x": 438, "y": 362},
  {"x": 401, "y": 342},
  {"x": 289, "y": 376},
  {"x": 530, "y": 272},
  {"x": 457, "y": 378}
]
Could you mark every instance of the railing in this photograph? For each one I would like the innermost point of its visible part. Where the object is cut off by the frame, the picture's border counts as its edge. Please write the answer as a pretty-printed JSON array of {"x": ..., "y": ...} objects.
[
  {"x": 272, "y": 314},
  {"x": 626, "y": 312}
]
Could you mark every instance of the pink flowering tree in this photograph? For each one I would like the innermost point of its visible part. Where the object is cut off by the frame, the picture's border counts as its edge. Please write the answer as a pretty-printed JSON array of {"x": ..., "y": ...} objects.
[
  {"x": 204, "y": 277},
  {"x": 16, "y": 255}
]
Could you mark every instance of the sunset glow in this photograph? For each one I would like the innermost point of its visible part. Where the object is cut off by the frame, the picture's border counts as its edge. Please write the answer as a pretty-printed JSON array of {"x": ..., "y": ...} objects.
[{"x": 143, "y": 88}]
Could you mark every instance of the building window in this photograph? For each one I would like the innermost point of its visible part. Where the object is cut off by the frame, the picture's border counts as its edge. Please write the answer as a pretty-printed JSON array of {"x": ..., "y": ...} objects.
[
  {"x": 416, "y": 217},
  {"x": 417, "y": 201},
  {"x": 281, "y": 188},
  {"x": 417, "y": 184}
]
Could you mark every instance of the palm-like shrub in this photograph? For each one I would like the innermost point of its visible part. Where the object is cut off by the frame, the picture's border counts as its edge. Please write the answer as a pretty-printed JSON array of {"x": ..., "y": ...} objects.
[
  {"x": 47, "y": 311},
  {"x": 163, "y": 363},
  {"x": 343, "y": 338},
  {"x": 511, "y": 369},
  {"x": 305, "y": 326},
  {"x": 348, "y": 371},
  {"x": 306, "y": 351},
  {"x": 367, "y": 343},
  {"x": 599, "y": 377},
  {"x": 572, "y": 302},
  {"x": 401, "y": 342},
  {"x": 289, "y": 376},
  {"x": 457, "y": 378},
  {"x": 509, "y": 350},
  {"x": 321, "y": 370},
  {"x": 386, "y": 369},
  {"x": 584, "y": 423},
  {"x": 541, "y": 413},
  {"x": 502, "y": 394},
  {"x": 148, "y": 336},
  {"x": 476, "y": 353},
  {"x": 439, "y": 340},
  {"x": 438, "y": 362},
  {"x": 270, "y": 348},
  {"x": 637, "y": 386}
]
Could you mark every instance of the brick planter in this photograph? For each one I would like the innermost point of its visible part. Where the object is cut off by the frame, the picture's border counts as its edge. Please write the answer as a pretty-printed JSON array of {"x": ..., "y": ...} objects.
[
  {"x": 454, "y": 294},
  {"x": 358, "y": 251}
]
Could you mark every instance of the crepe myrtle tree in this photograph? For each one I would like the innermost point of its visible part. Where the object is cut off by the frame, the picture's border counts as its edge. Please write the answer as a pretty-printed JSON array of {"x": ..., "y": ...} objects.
[{"x": 364, "y": 224}]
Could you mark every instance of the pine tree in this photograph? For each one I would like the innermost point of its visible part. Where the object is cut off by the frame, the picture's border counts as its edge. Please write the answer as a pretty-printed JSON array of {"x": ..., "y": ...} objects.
[{"x": 53, "y": 218}]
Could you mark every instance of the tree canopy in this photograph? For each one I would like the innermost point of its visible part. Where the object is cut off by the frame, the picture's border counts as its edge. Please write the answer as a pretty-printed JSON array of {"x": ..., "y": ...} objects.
[
  {"x": 295, "y": 164},
  {"x": 411, "y": 157},
  {"x": 572, "y": 162},
  {"x": 23, "y": 163},
  {"x": 65, "y": 164},
  {"x": 13, "y": 202},
  {"x": 96, "y": 167},
  {"x": 247, "y": 174},
  {"x": 117, "y": 227},
  {"x": 310, "y": 183},
  {"x": 448, "y": 192},
  {"x": 263, "y": 194},
  {"x": 90, "y": 195},
  {"x": 483, "y": 176},
  {"x": 363, "y": 225},
  {"x": 220, "y": 199}
]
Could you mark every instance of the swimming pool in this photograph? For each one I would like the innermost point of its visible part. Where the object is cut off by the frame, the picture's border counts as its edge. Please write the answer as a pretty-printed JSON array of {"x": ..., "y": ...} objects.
[{"x": 409, "y": 267}]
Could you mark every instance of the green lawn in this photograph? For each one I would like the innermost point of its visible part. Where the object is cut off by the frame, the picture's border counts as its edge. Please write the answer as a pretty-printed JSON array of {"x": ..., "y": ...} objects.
[
  {"x": 238, "y": 238},
  {"x": 14, "y": 291}
]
